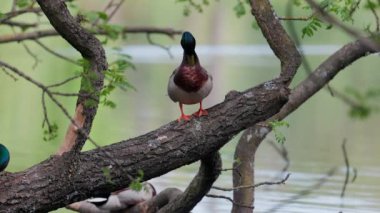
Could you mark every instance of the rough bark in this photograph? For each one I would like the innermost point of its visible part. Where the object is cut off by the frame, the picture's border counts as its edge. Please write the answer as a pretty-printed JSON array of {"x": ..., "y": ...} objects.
[
  {"x": 157, "y": 202},
  {"x": 92, "y": 81},
  {"x": 56, "y": 184},
  {"x": 279, "y": 41},
  {"x": 208, "y": 172}
]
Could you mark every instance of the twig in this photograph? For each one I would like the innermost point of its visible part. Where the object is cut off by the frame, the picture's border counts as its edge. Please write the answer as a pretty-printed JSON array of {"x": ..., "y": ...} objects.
[
  {"x": 355, "y": 7},
  {"x": 64, "y": 81},
  {"x": 376, "y": 18},
  {"x": 167, "y": 49},
  {"x": 347, "y": 173},
  {"x": 302, "y": 18},
  {"x": 253, "y": 186},
  {"x": 34, "y": 56},
  {"x": 20, "y": 24},
  {"x": 8, "y": 74},
  {"x": 229, "y": 199},
  {"x": 283, "y": 153},
  {"x": 55, "y": 53},
  {"x": 46, "y": 118},
  {"x": 116, "y": 9},
  {"x": 13, "y": 14}
]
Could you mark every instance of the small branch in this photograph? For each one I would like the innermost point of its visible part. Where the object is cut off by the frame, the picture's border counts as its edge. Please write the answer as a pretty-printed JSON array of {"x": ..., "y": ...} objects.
[
  {"x": 376, "y": 18},
  {"x": 157, "y": 202},
  {"x": 347, "y": 173},
  {"x": 354, "y": 7},
  {"x": 167, "y": 49},
  {"x": 46, "y": 118},
  {"x": 55, "y": 53},
  {"x": 20, "y": 24},
  {"x": 10, "y": 15},
  {"x": 117, "y": 7},
  {"x": 303, "y": 18},
  {"x": 8, "y": 74},
  {"x": 229, "y": 199},
  {"x": 64, "y": 81},
  {"x": 283, "y": 153},
  {"x": 126, "y": 30},
  {"x": 253, "y": 186}
]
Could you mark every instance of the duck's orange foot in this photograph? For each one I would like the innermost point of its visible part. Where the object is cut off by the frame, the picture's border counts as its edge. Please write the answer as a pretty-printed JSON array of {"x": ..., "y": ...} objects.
[
  {"x": 201, "y": 112},
  {"x": 184, "y": 117}
]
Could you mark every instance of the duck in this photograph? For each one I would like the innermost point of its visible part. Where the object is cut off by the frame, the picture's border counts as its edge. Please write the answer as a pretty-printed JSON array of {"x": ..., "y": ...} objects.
[
  {"x": 4, "y": 157},
  {"x": 189, "y": 83},
  {"x": 116, "y": 201}
]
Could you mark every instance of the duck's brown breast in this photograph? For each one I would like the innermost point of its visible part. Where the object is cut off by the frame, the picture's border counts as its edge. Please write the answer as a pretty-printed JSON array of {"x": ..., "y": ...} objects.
[{"x": 190, "y": 78}]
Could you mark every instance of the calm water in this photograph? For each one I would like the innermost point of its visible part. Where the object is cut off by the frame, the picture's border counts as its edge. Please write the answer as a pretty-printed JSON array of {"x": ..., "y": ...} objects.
[{"x": 314, "y": 137}]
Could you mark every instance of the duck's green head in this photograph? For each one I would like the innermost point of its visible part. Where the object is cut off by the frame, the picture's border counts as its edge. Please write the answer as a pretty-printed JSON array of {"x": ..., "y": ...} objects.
[
  {"x": 4, "y": 157},
  {"x": 188, "y": 42}
]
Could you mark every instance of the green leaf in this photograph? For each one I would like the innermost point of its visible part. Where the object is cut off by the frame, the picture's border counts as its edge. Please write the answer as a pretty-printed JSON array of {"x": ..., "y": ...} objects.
[
  {"x": 360, "y": 112},
  {"x": 107, "y": 174},
  {"x": 136, "y": 183},
  {"x": 112, "y": 31},
  {"x": 51, "y": 132},
  {"x": 102, "y": 15},
  {"x": 275, "y": 125},
  {"x": 239, "y": 9},
  {"x": 313, "y": 25},
  {"x": 23, "y": 3}
]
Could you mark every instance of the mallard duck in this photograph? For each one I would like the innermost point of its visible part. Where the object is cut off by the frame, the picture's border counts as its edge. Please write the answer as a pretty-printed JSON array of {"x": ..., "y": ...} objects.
[
  {"x": 190, "y": 83},
  {"x": 115, "y": 201},
  {"x": 4, "y": 157}
]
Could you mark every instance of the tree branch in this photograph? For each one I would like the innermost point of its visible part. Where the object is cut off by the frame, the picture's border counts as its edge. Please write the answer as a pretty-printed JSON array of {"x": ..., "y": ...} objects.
[
  {"x": 208, "y": 172},
  {"x": 171, "y": 146},
  {"x": 92, "y": 80},
  {"x": 286, "y": 51},
  {"x": 279, "y": 41},
  {"x": 16, "y": 13},
  {"x": 50, "y": 33}
]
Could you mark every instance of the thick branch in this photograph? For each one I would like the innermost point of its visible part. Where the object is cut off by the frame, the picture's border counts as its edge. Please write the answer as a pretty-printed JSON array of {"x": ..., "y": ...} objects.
[
  {"x": 92, "y": 81},
  {"x": 285, "y": 50},
  {"x": 280, "y": 42},
  {"x": 208, "y": 172},
  {"x": 157, "y": 202},
  {"x": 171, "y": 146},
  {"x": 199, "y": 186}
]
